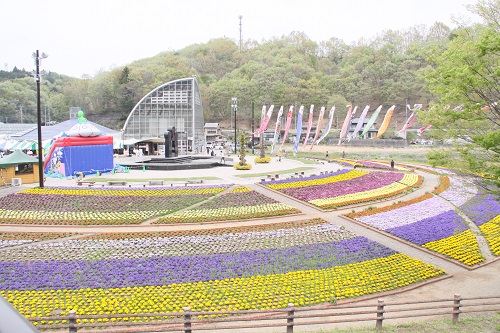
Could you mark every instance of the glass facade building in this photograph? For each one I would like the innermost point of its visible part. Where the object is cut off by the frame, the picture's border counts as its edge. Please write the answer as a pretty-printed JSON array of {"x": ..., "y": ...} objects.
[{"x": 173, "y": 104}]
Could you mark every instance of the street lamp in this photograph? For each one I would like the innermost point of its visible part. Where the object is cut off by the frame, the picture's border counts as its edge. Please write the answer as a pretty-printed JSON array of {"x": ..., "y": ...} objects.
[
  {"x": 235, "y": 108},
  {"x": 38, "y": 77}
]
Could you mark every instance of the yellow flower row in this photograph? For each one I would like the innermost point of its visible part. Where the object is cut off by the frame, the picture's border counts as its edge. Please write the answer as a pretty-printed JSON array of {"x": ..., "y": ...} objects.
[
  {"x": 241, "y": 189},
  {"x": 491, "y": 231},
  {"x": 257, "y": 292},
  {"x": 127, "y": 192},
  {"x": 319, "y": 181},
  {"x": 220, "y": 214},
  {"x": 462, "y": 247},
  {"x": 17, "y": 216},
  {"x": 410, "y": 179},
  {"x": 359, "y": 197}
]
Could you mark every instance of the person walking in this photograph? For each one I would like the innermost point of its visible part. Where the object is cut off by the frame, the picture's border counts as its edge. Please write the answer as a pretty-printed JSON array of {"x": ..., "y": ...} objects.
[
  {"x": 392, "y": 164},
  {"x": 222, "y": 157},
  {"x": 326, "y": 154}
]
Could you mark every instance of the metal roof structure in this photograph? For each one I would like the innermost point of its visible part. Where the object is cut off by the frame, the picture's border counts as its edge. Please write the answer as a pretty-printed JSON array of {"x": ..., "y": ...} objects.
[
  {"x": 14, "y": 129},
  {"x": 49, "y": 132},
  {"x": 173, "y": 104}
]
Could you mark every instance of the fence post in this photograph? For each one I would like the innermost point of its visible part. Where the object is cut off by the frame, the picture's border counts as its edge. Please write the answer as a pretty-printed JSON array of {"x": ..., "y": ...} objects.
[
  {"x": 456, "y": 308},
  {"x": 289, "y": 318},
  {"x": 380, "y": 314},
  {"x": 72, "y": 321},
  {"x": 187, "y": 320}
]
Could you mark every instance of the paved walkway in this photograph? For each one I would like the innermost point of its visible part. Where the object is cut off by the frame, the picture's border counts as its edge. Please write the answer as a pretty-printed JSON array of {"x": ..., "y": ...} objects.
[{"x": 480, "y": 282}]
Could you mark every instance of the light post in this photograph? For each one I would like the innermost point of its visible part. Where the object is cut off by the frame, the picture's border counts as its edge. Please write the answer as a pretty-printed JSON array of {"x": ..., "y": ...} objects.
[
  {"x": 38, "y": 77},
  {"x": 253, "y": 135},
  {"x": 235, "y": 108}
]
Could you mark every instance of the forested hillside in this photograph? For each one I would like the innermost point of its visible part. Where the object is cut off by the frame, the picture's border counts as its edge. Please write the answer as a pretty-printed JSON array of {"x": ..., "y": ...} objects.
[{"x": 285, "y": 70}]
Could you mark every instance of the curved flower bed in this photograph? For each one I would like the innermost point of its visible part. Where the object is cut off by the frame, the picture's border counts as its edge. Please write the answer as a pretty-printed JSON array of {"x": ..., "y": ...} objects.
[
  {"x": 179, "y": 243},
  {"x": 242, "y": 203},
  {"x": 262, "y": 267},
  {"x": 348, "y": 188},
  {"x": 56, "y": 206},
  {"x": 444, "y": 184},
  {"x": 428, "y": 222},
  {"x": 340, "y": 175},
  {"x": 380, "y": 165},
  {"x": 491, "y": 231},
  {"x": 460, "y": 191}
]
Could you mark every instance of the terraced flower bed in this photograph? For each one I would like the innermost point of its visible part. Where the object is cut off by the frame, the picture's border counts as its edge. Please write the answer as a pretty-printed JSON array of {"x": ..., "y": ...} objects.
[
  {"x": 379, "y": 165},
  {"x": 240, "y": 204},
  {"x": 481, "y": 208},
  {"x": 259, "y": 267},
  {"x": 429, "y": 222},
  {"x": 74, "y": 206},
  {"x": 491, "y": 231},
  {"x": 347, "y": 187}
]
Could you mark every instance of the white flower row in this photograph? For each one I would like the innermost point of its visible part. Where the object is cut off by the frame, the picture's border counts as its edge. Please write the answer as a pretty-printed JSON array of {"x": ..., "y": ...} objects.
[
  {"x": 460, "y": 191},
  {"x": 179, "y": 245},
  {"x": 406, "y": 214}
]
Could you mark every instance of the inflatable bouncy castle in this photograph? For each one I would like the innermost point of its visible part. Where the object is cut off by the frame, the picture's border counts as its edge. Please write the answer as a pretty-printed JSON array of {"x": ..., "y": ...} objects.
[{"x": 82, "y": 149}]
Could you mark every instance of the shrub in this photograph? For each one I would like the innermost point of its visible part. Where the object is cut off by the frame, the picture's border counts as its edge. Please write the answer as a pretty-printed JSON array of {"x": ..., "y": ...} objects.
[
  {"x": 238, "y": 166},
  {"x": 265, "y": 159}
]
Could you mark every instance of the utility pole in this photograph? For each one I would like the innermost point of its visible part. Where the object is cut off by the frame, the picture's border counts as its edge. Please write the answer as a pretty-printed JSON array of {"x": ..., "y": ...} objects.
[
  {"x": 235, "y": 108},
  {"x": 38, "y": 77}
]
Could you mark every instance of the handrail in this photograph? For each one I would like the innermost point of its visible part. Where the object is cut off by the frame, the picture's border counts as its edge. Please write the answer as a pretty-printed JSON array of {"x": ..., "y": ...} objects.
[{"x": 289, "y": 317}]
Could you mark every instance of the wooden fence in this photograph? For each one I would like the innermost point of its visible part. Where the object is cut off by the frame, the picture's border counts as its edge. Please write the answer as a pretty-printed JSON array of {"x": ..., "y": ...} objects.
[{"x": 189, "y": 322}]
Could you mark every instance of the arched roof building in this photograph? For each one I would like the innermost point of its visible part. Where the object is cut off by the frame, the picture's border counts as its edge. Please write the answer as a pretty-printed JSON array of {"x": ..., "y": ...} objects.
[{"x": 173, "y": 104}]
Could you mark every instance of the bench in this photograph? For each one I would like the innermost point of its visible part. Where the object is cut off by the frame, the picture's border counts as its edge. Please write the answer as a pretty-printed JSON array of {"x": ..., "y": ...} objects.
[
  {"x": 155, "y": 182},
  {"x": 200, "y": 181},
  {"x": 116, "y": 182},
  {"x": 81, "y": 182}
]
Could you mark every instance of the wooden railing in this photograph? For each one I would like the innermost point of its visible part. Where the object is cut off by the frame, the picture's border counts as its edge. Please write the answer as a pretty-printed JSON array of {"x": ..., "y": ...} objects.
[{"x": 288, "y": 318}]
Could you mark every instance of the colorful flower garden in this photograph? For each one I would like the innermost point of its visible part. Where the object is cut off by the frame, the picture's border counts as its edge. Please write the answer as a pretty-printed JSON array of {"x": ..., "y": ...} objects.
[
  {"x": 239, "y": 204},
  {"x": 346, "y": 187},
  {"x": 76, "y": 206},
  {"x": 433, "y": 222},
  {"x": 260, "y": 267},
  {"x": 265, "y": 266}
]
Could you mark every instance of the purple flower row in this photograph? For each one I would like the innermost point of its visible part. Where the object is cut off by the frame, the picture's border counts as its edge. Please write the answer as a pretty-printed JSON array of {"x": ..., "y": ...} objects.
[
  {"x": 41, "y": 275},
  {"x": 370, "y": 181},
  {"x": 238, "y": 199},
  {"x": 430, "y": 229},
  {"x": 481, "y": 208}
]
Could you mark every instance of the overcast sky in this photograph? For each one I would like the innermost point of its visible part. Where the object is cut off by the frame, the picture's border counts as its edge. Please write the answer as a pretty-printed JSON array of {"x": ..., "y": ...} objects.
[{"x": 82, "y": 37}]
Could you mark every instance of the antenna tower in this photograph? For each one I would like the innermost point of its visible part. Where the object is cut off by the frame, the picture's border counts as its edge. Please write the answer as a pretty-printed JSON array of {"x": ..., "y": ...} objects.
[{"x": 241, "y": 36}]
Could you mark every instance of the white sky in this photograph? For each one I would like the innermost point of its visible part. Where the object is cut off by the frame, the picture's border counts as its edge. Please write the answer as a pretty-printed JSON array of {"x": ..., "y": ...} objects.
[{"x": 82, "y": 37}]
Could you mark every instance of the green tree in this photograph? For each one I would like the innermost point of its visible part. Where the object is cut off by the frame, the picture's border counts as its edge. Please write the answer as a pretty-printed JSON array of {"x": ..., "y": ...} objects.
[{"x": 466, "y": 76}]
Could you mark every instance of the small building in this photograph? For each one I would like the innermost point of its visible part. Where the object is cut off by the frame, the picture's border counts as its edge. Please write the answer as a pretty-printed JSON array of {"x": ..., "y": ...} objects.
[
  {"x": 372, "y": 132},
  {"x": 19, "y": 168},
  {"x": 213, "y": 134}
]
